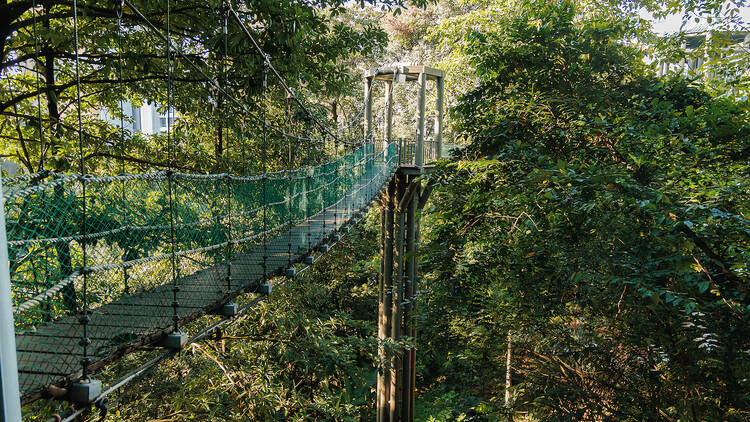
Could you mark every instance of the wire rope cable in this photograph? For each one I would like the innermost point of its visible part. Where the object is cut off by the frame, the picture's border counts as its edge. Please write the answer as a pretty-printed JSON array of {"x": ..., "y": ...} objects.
[
  {"x": 36, "y": 81},
  {"x": 264, "y": 164}
]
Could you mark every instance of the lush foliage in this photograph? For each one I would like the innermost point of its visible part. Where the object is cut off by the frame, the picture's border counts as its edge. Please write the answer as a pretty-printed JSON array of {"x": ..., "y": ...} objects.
[
  {"x": 597, "y": 222},
  {"x": 211, "y": 78},
  {"x": 307, "y": 353},
  {"x": 600, "y": 214}
]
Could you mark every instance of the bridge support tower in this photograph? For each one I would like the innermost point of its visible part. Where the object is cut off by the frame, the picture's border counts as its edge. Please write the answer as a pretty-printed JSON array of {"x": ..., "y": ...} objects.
[{"x": 400, "y": 204}]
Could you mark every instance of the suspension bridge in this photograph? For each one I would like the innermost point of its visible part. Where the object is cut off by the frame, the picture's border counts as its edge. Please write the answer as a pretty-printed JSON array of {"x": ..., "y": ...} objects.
[{"x": 103, "y": 265}]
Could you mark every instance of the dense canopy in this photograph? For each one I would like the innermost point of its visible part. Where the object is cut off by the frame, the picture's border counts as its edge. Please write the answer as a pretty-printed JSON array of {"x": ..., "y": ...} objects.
[{"x": 584, "y": 254}]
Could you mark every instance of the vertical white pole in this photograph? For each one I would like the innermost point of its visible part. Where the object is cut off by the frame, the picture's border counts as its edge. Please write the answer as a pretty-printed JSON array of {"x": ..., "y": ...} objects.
[
  {"x": 419, "y": 150},
  {"x": 388, "y": 111},
  {"x": 368, "y": 108},
  {"x": 11, "y": 398},
  {"x": 439, "y": 120}
]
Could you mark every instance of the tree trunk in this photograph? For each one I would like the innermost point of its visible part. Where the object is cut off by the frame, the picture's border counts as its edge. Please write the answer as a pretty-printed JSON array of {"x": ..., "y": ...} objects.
[
  {"x": 65, "y": 265},
  {"x": 508, "y": 373},
  {"x": 52, "y": 106},
  {"x": 219, "y": 147}
]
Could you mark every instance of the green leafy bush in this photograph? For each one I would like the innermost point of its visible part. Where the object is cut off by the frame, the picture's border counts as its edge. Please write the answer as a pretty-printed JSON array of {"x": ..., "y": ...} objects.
[{"x": 601, "y": 214}]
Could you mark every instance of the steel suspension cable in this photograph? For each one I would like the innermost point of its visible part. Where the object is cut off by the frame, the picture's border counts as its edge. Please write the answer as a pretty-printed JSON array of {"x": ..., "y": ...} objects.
[
  {"x": 39, "y": 94},
  {"x": 235, "y": 100},
  {"x": 265, "y": 169},
  {"x": 290, "y": 181},
  {"x": 242, "y": 146},
  {"x": 198, "y": 69},
  {"x": 355, "y": 119},
  {"x": 307, "y": 197},
  {"x": 276, "y": 73},
  {"x": 230, "y": 189}
]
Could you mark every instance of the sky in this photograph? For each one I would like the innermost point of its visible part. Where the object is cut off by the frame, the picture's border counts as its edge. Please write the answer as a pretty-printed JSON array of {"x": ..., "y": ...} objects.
[{"x": 672, "y": 23}]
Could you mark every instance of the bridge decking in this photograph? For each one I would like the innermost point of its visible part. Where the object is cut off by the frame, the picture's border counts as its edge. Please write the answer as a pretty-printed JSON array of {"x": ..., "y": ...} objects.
[{"x": 52, "y": 354}]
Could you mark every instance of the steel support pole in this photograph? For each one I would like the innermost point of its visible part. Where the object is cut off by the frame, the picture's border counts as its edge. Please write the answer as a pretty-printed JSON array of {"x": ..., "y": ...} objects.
[
  {"x": 409, "y": 324},
  {"x": 419, "y": 152},
  {"x": 368, "y": 108},
  {"x": 398, "y": 297},
  {"x": 388, "y": 286},
  {"x": 415, "y": 210},
  {"x": 384, "y": 328},
  {"x": 388, "y": 112},
  {"x": 380, "y": 386},
  {"x": 439, "y": 120},
  {"x": 10, "y": 397}
]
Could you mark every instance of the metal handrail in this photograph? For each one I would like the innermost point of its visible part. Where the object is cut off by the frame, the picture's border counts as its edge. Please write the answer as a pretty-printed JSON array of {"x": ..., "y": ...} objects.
[{"x": 407, "y": 151}]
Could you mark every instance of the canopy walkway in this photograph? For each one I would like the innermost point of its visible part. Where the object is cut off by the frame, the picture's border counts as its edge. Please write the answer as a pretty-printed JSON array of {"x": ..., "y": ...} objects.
[
  {"x": 220, "y": 254},
  {"x": 102, "y": 265}
]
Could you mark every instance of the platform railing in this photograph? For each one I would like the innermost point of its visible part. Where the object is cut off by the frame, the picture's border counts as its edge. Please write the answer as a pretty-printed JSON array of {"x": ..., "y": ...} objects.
[{"x": 408, "y": 151}]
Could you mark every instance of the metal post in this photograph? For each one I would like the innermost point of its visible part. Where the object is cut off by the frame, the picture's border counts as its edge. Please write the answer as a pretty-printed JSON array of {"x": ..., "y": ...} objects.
[
  {"x": 368, "y": 108},
  {"x": 384, "y": 329},
  {"x": 388, "y": 112},
  {"x": 419, "y": 153},
  {"x": 398, "y": 298},
  {"x": 409, "y": 324},
  {"x": 380, "y": 387},
  {"x": 439, "y": 120},
  {"x": 10, "y": 397}
]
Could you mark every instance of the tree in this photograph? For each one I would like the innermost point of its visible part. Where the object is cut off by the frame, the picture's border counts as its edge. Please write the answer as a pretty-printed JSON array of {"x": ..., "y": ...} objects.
[
  {"x": 126, "y": 59},
  {"x": 598, "y": 211}
]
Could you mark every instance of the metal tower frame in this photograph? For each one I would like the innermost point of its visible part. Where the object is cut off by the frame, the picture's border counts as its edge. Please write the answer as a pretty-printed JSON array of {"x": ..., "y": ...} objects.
[{"x": 400, "y": 202}]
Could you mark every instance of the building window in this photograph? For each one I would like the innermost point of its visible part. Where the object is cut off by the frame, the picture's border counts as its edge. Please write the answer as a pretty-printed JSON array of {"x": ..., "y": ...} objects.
[{"x": 163, "y": 122}]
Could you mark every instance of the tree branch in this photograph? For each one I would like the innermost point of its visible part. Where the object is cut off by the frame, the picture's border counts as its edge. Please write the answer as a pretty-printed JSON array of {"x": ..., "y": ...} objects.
[{"x": 715, "y": 257}]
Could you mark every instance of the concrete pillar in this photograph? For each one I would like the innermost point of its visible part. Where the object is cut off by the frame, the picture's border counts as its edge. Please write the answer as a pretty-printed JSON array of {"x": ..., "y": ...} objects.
[
  {"x": 381, "y": 390},
  {"x": 707, "y": 76},
  {"x": 684, "y": 63}
]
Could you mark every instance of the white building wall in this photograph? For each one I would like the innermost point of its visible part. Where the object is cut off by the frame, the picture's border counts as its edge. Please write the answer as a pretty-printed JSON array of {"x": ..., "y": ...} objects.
[{"x": 145, "y": 119}]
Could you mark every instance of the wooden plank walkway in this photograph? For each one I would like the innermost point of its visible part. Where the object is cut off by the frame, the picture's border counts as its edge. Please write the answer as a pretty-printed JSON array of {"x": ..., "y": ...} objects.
[{"x": 52, "y": 354}]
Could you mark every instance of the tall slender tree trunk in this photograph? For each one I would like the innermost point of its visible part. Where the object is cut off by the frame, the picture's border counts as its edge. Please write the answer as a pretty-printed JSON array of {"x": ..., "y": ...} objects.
[
  {"x": 64, "y": 258},
  {"x": 219, "y": 147},
  {"x": 52, "y": 105},
  {"x": 508, "y": 373}
]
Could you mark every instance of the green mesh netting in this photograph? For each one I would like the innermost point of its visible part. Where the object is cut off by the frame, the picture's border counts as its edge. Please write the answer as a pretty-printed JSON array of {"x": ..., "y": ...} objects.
[{"x": 223, "y": 232}]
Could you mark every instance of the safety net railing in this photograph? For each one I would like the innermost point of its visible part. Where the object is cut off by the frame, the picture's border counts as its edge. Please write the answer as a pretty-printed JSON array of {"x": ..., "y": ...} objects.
[{"x": 152, "y": 261}]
